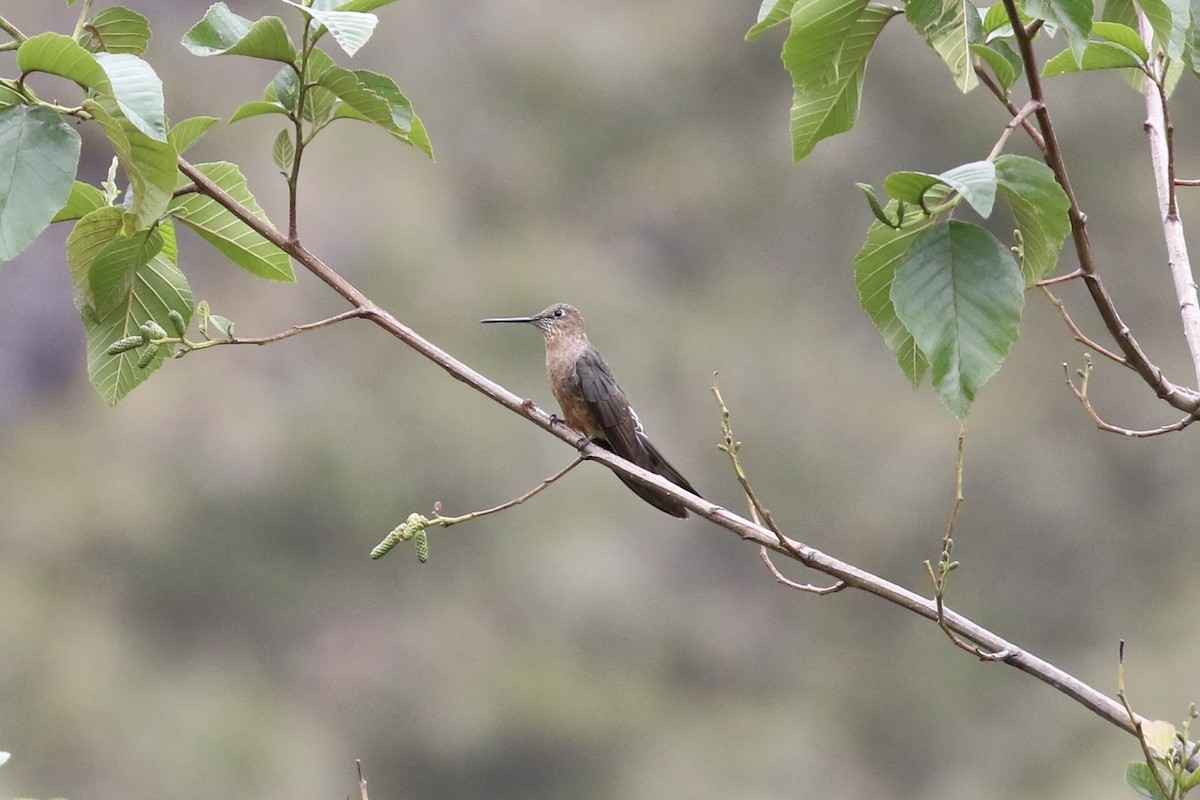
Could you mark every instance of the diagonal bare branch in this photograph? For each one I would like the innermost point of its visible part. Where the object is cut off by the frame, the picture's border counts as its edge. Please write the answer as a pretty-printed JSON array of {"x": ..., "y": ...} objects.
[{"x": 851, "y": 575}]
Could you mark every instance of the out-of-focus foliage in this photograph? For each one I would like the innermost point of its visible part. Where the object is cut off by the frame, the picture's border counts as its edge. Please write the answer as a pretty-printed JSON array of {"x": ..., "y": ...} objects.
[{"x": 187, "y": 605}]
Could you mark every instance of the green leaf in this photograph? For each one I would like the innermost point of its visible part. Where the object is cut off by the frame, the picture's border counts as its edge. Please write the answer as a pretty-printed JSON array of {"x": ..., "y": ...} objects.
[
  {"x": 1159, "y": 736},
  {"x": 1006, "y": 65},
  {"x": 87, "y": 239},
  {"x": 256, "y": 108},
  {"x": 874, "y": 271},
  {"x": 975, "y": 181},
  {"x": 819, "y": 30},
  {"x": 221, "y": 325},
  {"x": 61, "y": 55},
  {"x": 137, "y": 91},
  {"x": 358, "y": 5},
  {"x": 1097, "y": 55},
  {"x": 118, "y": 30},
  {"x": 84, "y": 199},
  {"x": 319, "y": 102},
  {"x": 950, "y": 34},
  {"x": 1141, "y": 780},
  {"x": 149, "y": 163},
  {"x": 821, "y": 112},
  {"x": 1121, "y": 11},
  {"x": 220, "y": 228},
  {"x": 10, "y": 94},
  {"x": 285, "y": 86},
  {"x": 350, "y": 29},
  {"x": 996, "y": 22},
  {"x": 1170, "y": 20},
  {"x": 111, "y": 273},
  {"x": 770, "y": 14},
  {"x": 959, "y": 293},
  {"x": 223, "y": 33},
  {"x": 1123, "y": 35},
  {"x": 395, "y": 114},
  {"x": 1073, "y": 16},
  {"x": 1040, "y": 207},
  {"x": 283, "y": 151},
  {"x": 186, "y": 133},
  {"x": 39, "y": 154},
  {"x": 157, "y": 288}
]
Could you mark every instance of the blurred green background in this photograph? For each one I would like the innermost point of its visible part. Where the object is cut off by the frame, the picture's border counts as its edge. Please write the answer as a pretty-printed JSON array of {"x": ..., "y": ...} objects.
[{"x": 187, "y": 609}]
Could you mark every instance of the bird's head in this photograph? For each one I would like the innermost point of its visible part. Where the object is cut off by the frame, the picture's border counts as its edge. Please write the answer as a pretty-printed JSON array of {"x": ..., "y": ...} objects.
[{"x": 556, "y": 321}]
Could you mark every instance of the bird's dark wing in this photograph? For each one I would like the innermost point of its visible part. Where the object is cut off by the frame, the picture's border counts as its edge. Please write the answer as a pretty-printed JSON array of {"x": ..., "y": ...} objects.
[
  {"x": 608, "y": 407},
  {"x": 661, "y": 466}
]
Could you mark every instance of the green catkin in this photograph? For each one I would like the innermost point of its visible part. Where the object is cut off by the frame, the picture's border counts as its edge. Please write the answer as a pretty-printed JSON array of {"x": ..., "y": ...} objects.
[
  {"x": 147, "y": 356},
  {"x": 128, "y": 343}
]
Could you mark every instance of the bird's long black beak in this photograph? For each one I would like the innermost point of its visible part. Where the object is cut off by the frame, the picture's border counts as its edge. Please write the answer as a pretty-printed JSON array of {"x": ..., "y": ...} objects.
[{"x": 508, "y": 319}]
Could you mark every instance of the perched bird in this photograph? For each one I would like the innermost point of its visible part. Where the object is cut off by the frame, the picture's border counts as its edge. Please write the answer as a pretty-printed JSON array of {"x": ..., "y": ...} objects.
[{"x": 592, "y": 402}]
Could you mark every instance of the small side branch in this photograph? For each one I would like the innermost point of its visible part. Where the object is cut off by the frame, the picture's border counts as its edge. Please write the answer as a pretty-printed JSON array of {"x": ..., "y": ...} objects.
[
  {"x": 803, "y": 587},
  {"x": 731, "y": 447},
  {"x": 354, "y": 313},
  {"x": 758, "y": 512},
  {"x": 12, "y": 30},
  {"x": 1079, "y": 335},
  {"x": 1020, "y": 119},
  {"x": 940, "y": 576},
  {"x": 185, "y": 346},
  {"x": 987, "y": 80},
  {"x": 362, "y": 782},
  {"x": 415, "y": 526},
  {"x": 1081, "y": 394}
]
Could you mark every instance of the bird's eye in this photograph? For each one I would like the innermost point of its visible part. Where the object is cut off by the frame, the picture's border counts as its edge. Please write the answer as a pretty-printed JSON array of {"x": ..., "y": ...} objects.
[{"x": 558, "y": 312}]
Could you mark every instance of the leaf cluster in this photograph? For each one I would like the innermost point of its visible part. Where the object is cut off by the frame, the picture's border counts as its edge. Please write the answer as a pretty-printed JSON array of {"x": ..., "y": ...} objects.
[
  {"x": 946, "y": 295},
  {"x": 122, "y": 250}
]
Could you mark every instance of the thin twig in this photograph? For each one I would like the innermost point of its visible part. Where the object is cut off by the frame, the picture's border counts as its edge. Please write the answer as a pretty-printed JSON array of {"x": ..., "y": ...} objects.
[
  {"x": 940, "y": 576},
  {"x": 12, "y": 30},
  {"x": 1068, "y": 276},
  {"x": 362, "y": 782},
  {"x": 1079, "y": 335},
  {"x": 415, "y": 526},
  {"x": 187, "y": 346},
  {"x": 803, "y": 587},
  {"x": 1137, "y": 723},
  {"x": 1081, "y": 394},
  {"x": 446, "y": 522},
  {"x": 731, "y": 447},
  {"x": 987, "y": 80},
  {"x": 1017, "y": 121},
  {"x": 1187, "y": 181},
  {"x": 84, "y": 9}
]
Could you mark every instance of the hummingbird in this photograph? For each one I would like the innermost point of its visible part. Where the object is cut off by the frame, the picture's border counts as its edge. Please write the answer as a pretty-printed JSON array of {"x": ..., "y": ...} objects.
[{"x": 593, "y": 403}]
